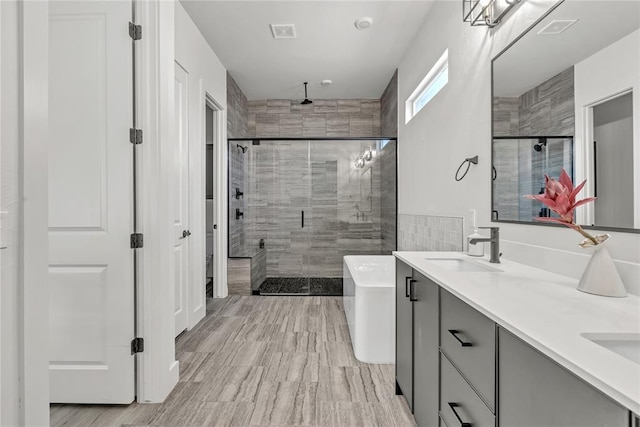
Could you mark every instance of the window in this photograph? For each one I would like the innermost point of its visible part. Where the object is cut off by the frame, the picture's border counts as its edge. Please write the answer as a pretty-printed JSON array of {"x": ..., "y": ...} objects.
[{"x": 433, "y": 82}]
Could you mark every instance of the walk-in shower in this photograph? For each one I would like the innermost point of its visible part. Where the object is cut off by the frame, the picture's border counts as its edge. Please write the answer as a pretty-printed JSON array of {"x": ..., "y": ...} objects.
[{"x": 310, "y": 202}]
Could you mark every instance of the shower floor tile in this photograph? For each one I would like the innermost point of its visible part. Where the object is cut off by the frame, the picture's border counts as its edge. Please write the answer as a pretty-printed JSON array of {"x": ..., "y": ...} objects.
[{"x": 317, "y": 286}]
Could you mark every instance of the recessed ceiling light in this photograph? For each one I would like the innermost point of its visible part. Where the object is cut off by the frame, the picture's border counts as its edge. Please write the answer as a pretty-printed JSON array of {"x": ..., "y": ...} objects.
[
  {"x": 556, "y": 27},
  {"x": 363, "y": 23},
  {"x": 326, "y": 82},
  {"x": 283, "y": 31}
]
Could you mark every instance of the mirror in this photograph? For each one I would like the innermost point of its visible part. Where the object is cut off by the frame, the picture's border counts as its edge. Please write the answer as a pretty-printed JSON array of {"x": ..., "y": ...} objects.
[{"x": 565, "y": 95}]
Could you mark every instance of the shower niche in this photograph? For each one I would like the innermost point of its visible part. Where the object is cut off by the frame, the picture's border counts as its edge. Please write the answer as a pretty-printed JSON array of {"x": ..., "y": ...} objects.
[{"x": 311, "y": 201}]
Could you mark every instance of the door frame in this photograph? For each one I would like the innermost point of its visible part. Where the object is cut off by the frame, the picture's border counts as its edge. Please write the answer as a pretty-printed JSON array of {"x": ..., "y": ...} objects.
[
  {"x": 29, "y": 334},
  {"x": 219, "y": 194},
  {"x": 583, "y": 157}
]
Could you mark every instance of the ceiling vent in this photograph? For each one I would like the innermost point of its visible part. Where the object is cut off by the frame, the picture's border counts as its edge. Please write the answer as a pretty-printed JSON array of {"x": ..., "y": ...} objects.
[
  {"x": 556, "y": 27},
  {"x": 283, "y": 31}
]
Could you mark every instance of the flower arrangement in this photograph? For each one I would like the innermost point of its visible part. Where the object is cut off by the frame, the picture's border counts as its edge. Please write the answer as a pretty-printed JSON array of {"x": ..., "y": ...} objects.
[{"x": 560, "y": 197}]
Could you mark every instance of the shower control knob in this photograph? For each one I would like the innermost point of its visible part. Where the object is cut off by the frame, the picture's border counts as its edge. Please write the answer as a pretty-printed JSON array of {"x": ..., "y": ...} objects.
[{"x": 186, "y": 233}]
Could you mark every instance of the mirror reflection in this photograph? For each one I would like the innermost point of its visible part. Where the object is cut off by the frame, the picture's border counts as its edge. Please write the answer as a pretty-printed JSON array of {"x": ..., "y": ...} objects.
[{"x": 564, "y": 96}]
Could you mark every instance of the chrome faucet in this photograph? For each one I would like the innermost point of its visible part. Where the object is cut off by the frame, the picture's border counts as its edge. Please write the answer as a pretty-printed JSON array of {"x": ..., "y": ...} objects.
[{"x": 495, "y": 243}]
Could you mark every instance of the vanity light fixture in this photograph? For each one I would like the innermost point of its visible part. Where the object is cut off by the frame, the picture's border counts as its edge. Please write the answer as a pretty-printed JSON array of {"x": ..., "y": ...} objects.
[{"x": 488, "y": 13}]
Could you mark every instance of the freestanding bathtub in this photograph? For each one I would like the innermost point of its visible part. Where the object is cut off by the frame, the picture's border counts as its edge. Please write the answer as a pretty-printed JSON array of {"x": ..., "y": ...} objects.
[{"x": 369, "y": 304}]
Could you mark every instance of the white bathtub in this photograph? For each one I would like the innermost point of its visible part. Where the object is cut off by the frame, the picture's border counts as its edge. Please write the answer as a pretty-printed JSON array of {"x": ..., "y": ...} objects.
[{"x": 369, "y": 304}]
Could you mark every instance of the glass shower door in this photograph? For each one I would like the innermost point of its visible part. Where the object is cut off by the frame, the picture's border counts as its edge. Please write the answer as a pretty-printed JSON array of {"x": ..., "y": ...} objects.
[{"x": 289, "y": 179}]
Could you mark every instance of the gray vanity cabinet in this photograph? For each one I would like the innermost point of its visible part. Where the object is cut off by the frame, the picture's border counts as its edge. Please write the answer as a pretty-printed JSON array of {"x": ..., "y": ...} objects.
[
  {"x": 425, "y": 350},
  {"x": 417, "y": 302},
  {"x": 535, "y": 391},
  {"x": 404, "y": 333}
]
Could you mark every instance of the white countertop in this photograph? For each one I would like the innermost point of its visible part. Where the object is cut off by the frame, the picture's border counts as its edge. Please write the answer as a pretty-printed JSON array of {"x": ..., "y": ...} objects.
[{"x": 548, "y": 312}]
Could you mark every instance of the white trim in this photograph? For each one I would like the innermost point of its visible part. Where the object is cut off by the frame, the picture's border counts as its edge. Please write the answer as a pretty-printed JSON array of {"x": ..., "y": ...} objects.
[
  {"x": 33, "y": 331},
  {"x": 583, "y": 155},
  {"x": 220, "y": 288},
  {"x": 438, "y": 68},
  {"x": 157, "y": 371}
]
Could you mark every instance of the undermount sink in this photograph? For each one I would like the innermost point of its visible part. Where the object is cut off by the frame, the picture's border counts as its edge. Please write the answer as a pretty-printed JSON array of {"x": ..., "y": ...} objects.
[
  {"x": 626, "y": 345},
  {"x": 461, "y": 265}
]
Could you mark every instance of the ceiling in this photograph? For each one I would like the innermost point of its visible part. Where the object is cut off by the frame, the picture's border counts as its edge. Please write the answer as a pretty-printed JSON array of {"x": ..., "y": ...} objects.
[
  {"x": 328, "y": 46},
  {"x": 536, "y": 58}
]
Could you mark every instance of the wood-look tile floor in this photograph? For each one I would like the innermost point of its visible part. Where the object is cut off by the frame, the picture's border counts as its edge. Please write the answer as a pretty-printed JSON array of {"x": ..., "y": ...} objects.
[{"x": 264, "y": 361}]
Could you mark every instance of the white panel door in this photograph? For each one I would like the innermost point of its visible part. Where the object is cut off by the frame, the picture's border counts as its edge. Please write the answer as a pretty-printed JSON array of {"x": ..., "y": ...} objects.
[
  {"x": 181, "y": 199},
  {"x": 90, "y": 202}
]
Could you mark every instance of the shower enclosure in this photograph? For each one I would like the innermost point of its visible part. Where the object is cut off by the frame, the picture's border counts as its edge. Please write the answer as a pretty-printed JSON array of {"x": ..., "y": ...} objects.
[
  {"x": 309, "y": 202},
  {"x": 519, "y": 167}
]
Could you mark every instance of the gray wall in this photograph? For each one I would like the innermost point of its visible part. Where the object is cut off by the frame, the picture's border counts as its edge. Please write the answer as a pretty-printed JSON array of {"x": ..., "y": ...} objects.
[
  {"x": 325, "y": 117},
  {"x": 237, "y": 236},
  {"x": 545, "y": 110},
  {"x": 389, "y": 108},
  {"x": 237, "y": 111}
]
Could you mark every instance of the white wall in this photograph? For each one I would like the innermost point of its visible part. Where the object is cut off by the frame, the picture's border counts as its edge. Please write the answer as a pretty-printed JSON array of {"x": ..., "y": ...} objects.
[
  {"x": 207, "y": 76},
  {"x": 456, "y": 124},
  {"x": 24, "y": 385}
]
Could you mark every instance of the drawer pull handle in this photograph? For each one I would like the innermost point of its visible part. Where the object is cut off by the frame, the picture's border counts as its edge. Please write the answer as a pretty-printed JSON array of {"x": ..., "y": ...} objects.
[
  {"x": 406, "y": 286},
  {"x": 453, "y": 407},
  {"x": 411, "y": 293},
  {"x": 455, "y": 333}
]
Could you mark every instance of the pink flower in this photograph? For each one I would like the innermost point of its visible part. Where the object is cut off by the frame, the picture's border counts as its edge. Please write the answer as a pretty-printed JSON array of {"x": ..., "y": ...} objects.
[{"x": 560, "y": 197}]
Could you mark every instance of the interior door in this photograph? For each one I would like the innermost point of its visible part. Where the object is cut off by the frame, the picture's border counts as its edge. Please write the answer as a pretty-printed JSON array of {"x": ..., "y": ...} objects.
[
  {"x": 181, "y": 200},
  {"x": 91, "y": 275}
]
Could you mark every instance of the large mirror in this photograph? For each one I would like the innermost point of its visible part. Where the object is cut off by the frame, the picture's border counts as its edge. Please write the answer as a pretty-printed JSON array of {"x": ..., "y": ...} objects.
[{"x": 566, "y": 94}]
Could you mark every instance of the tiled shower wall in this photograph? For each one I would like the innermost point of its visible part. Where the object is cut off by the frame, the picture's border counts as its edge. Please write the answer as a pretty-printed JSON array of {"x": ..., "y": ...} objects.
[
  {"x": 237, "y": 111},
  {"x": 389, "y": 108},
  {"x": 285, "y": 178},
  {"x": 545, "y": 110},
  {"x": 388, "y": 159},
  {"x": 324, "y": 118},
  {"x": 237, "y": 235},
  {"x": 430, "y": 233}
]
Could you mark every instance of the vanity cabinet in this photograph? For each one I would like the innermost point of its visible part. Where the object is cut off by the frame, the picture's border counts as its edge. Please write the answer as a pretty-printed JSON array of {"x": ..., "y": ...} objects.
[
  {"x": 535, "y": 391},
  {"x": 417, "y": 303},
  {"x": 404, "y": 333},
  {"x": 459, "y": 403},
  {"x": 425, "y": 350},
  {"x": 467, "y": 338}
]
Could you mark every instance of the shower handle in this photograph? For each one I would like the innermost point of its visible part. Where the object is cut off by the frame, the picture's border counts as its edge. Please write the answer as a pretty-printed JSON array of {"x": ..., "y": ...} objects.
[{"x": 302, "y": 216}]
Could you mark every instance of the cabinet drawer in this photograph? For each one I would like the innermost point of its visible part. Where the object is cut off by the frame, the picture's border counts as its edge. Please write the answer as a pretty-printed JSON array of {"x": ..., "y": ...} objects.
[
  {"x": 458, "y": 402},
  {"x": 467, "y": 337}
]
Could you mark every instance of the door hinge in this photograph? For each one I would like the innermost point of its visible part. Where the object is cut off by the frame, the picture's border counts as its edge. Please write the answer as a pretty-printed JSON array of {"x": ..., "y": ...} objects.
[
  {"x": 135, "y": 31},
  {"x": 136, "y": 241},
  {"x": 135, "y": 136},
  {"x": 137, "y": 345}
]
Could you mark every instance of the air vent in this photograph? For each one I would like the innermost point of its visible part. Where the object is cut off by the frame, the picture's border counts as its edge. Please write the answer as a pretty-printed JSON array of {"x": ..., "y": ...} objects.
[
  {"x": 556, "y": 27},
  {"x": 283, "y": 31}
]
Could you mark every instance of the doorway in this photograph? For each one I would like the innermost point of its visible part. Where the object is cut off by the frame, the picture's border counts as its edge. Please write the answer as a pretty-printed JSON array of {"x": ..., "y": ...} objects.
[
  {"x": 210, "y": 221},
  {"x": 612, "y": 162}
]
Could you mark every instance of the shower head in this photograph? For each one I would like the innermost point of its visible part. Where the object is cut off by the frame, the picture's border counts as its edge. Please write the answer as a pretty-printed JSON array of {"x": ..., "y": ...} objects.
[
  {"x": 542, "y": 142},
  {"x": 244, "y": 149},
  {"x": 306, "y": 99}
]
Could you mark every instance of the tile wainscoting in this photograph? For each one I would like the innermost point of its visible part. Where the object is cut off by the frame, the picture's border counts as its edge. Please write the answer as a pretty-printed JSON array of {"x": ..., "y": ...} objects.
[{"x": 430, "y": 233}]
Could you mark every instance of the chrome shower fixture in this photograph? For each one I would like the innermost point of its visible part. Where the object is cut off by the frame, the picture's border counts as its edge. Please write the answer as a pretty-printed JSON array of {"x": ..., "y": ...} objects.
[
  {"x": 306, "y": 99},
  {"x": 244, "y": 149}
]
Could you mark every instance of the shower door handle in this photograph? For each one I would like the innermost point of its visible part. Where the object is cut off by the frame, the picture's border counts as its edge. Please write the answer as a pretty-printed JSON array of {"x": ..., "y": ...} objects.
[{"x": 302, "y": 218}]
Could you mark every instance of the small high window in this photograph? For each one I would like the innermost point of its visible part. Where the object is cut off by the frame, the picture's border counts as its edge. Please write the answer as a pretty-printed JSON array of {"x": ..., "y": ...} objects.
[{"x": 433, "y": 82}]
